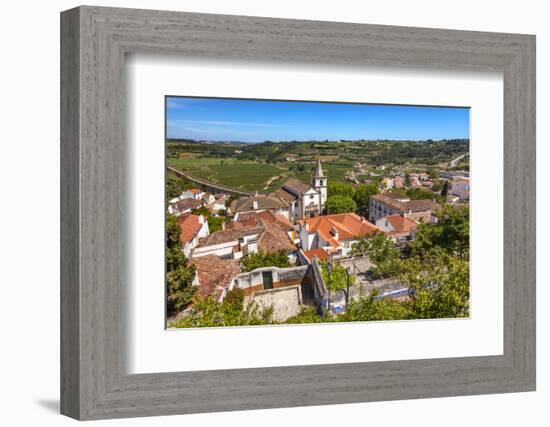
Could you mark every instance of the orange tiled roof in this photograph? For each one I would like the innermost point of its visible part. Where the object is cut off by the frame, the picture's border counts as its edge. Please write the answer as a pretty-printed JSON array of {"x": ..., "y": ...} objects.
[
  {"x": 195, "y": 190},
  {"x": 349, "y": 226},
  {"x": 215, "y": 274},
  {"x": 190, "y": 226},
  {"x": 319, "y": 253},
  {"x": 401, "y": 224}
]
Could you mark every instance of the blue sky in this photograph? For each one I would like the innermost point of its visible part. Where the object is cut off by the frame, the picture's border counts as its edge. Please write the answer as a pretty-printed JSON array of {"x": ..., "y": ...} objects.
[{"x": 244, "y": 120}]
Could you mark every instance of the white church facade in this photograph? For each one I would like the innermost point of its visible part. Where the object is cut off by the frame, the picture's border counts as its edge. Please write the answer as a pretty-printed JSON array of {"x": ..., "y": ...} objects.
[{"x": 295, "y": 200}]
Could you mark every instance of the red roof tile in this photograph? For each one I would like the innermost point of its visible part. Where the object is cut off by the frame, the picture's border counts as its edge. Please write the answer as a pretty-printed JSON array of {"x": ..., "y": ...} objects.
[
  {"x": 215, "y": 274},
  {"x": 190, "y": 225}
]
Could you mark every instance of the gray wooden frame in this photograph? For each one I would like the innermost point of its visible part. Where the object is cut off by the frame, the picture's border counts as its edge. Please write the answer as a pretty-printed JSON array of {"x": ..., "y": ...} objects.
[{"x": 94, "y": 41}]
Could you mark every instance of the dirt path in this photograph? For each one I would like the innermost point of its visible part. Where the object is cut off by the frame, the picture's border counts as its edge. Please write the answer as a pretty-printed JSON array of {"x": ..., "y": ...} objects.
[{"x": 273, "y": 178}]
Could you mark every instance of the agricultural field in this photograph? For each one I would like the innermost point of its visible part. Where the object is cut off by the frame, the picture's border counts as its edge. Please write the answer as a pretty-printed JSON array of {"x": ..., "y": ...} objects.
[
  {"x": 243, "y": 175},
  {"x": 264, "y": 167}
]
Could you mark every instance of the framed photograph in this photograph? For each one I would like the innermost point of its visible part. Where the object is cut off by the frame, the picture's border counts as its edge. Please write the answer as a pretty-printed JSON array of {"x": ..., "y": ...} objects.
[{"x": 261, "y": 213}]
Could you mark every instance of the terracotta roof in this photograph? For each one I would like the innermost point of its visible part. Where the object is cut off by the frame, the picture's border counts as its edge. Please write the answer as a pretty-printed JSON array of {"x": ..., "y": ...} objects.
[
  {"x": 186, "y": 204},
  {"x": 190, "y": 225},
  {"x": 245, "y": 204},
  {"x": 214, "y": 274},
  {"x": 400, "y": 223},
  {"x": 270, "y": 228},
  {"x": 403, "y": 204},
  {"x": 296, "y": 185},
  {"x": 274, "y": 239},
  {"x": 195, "y": 191},
  {"x": 316, "y": 253},
  {"x": 229, "y": 235},
  {"x": 285, "y": 196},
  {"x": 349, "y": 226}
]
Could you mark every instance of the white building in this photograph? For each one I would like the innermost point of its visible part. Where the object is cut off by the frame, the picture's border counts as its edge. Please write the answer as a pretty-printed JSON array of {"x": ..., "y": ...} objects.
[
  {"x": 295, "y": 199},
  {"x": 193, "y": 228}
]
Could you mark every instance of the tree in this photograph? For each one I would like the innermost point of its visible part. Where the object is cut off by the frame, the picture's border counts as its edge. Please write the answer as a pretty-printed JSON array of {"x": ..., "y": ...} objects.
[
  {"x": 450, "y": 233},
  {"x": 362, "y": 196},
  {"x": 434, "y": 174},
  {"x": 179, "y": 276},
  {"x": 265, "y": 259},
  {"x": 340, "y": 204},
  {"x": 230, "y": 312},
  {"x": 336, "y": 188},
  {"x": 445, "y": 188},
  {"x": 202, "y": 210},
  {"x": 338, "y": 277},
  {"x": 381, "y": 252},
  {"x": 372, "y": 308},
  {"x": 215, "y": 223},
  {"x": 439, "y": 285},
  {"x": 175, "y": 185}
]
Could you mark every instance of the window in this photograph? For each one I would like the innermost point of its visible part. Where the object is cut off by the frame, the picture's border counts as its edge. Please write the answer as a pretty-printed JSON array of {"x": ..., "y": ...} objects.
[
  {"x": 311, "y": 196},
  {"x": 321, "y": 182}
]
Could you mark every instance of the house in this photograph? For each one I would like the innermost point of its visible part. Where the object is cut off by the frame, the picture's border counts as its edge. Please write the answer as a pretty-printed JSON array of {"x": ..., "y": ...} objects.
[
  {"x": 197, "y": 194},
  {"x": 334, "y": 233},
  {"x": 216, "y": 204},
  {"x": 184, "y": 206},
  {"x": 398, "y": 227},
  {"x": 193, "y": 227},
  {"x": 382, "y": 205},
  {"x": 214, "y": 275},
  {"x": 241, "y": 238},
  {"x": 295, "y": 199}
]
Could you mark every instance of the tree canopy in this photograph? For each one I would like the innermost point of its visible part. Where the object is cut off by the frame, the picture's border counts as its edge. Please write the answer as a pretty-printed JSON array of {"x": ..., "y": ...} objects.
[
  {"x": 179, "y": 275},
  {"x": 340, "y": 204}
]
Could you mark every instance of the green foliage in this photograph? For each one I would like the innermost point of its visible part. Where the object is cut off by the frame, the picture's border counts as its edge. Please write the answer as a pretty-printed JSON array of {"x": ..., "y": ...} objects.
[
  {"x": 370, "y": 308},
  {"x": 215, "y": 223},
  {"x": 230, "y": 312},
  {"x": 451, "y": 233},
  {"x": 339, "y": 189},
  {"x": 340, "y": 204},
  {"x": 439, "y": 285},
  {"x": 175, "y": 185},
  {"x": 306, "y": 315},
  {"x": 265, "y": 259},
  {"x": 338, "y": 276},
  {"x": 381, "y": 251},
  {"x": 445, "y": 188},
  {"x": 362, "y": 196},
  {"x": 201, "y": 211},
  {"x": 179, "y": 276}
]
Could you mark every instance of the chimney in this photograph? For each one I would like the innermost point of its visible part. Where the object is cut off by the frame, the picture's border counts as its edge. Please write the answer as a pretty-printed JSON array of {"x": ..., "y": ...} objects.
[
  {"x": 254, "y": 204},
  {"x": 334, "y": 232}
]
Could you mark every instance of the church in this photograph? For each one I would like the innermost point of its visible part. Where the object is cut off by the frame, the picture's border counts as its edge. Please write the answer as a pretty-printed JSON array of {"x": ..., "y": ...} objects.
[{"x": 295, "y": 200}]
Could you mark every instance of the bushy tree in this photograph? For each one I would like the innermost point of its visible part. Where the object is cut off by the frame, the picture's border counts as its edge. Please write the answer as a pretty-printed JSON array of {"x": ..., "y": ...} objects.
[
  {"x": 362, "y": 196},
  {"x": 340, "y": 204},
  {"x": 439, "y": 285},
  {"x": 265, "y": 259},
  {"x": 336, "y": 188},
  {"x": 382, "y": 253},
  {"x": 175, "y": 185},
  {"x": 369, "y": 308},
  {"x": 338, "y": 277},
  {"x": 206, "y": 312},
  {"x": 451, "y": 232},
  {"x": 179, "y": 275}
]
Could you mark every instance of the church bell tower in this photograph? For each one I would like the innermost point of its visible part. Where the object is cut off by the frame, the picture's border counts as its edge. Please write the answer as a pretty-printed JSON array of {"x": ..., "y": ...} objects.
[{"x": 319, "y": 183}]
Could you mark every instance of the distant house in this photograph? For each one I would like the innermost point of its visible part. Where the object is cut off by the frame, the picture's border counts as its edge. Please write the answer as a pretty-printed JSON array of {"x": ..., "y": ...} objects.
[
  {"x": 398, "y": 227},
  {"x": 319, "y": 253},
  {"x": 193, "y": 227},
  {"x": 382, "y": 205},
  {"x": 334, "y": 233},
  {"x": 216, "y": 204},
  {"x": 183, "y": 206}
]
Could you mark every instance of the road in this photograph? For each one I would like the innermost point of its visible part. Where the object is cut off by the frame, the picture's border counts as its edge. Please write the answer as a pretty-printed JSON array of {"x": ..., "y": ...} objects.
[{"x": 454, "y": 162}]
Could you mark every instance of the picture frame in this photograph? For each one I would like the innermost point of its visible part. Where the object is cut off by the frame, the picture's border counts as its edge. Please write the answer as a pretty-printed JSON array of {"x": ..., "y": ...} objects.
[{"x": 94, "y": 381}]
